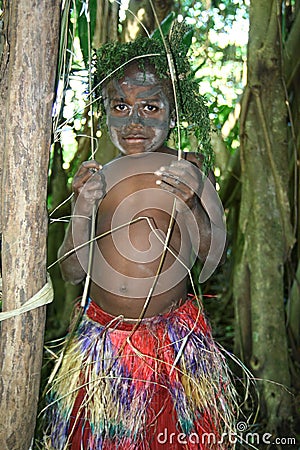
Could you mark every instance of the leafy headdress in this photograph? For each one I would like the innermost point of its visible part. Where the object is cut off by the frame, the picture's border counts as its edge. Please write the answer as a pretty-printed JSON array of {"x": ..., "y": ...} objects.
[{"x": 165, "y": 53}]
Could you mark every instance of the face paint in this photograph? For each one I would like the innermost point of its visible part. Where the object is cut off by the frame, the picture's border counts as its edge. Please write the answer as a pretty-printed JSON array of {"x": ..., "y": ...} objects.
[
  {"x": 134, "y": 117},
  {"x": 152, "y": 92},
  {"x": 140, "y": 77},
  {"x": 138, "y": 112}
]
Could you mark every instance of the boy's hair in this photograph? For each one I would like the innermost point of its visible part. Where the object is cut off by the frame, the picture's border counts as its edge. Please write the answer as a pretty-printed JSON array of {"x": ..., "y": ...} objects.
[{"x": 165, "y": 55}]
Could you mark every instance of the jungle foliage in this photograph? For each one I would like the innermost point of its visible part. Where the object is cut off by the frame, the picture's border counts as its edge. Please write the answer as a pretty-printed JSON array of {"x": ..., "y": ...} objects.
[
  {"x": 253, "y": 97},
  {"x": 252, "y": 91}
]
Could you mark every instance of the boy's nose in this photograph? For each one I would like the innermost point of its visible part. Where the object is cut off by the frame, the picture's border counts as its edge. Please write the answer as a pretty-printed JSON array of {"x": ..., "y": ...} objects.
[{"x": 135, "y": 118}]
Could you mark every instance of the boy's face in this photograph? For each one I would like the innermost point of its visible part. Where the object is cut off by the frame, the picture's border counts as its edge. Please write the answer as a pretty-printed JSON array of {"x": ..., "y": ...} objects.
[{"x": 138, "y": 111}]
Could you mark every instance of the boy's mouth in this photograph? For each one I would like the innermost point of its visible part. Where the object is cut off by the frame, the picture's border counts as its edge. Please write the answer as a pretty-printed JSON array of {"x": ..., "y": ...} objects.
[{"x": 134, "y": 138}]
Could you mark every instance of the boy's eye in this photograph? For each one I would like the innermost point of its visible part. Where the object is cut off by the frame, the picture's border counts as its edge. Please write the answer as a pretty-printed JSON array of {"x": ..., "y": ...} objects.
[
  {"x": 150, "y": 108},
  {"x": 121, "y": 107}
]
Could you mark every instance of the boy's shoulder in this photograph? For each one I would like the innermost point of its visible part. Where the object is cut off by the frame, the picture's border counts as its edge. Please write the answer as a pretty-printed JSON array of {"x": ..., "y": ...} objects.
[
  {"x": 192, "y": 157},
  {"x": 195, "y": 158}
]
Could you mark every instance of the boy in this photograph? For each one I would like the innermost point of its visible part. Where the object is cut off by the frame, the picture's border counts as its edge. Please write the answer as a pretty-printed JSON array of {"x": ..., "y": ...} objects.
[{"x": 142, "y": 371}]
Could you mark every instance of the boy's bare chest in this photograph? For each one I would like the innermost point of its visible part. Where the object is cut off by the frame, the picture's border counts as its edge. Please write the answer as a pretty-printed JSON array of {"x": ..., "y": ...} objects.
[{"x": 132, "y": 200}]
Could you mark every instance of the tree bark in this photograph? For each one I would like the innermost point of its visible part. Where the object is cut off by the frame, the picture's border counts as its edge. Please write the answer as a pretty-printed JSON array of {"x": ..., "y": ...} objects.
[
  {"x": 292, "y": 77},
  {"x": 265, "y": 232},
  {"x": 33, "y": 43},
  {"x": 4, "y": 58},
  {"x": 106, "y": 27},
  {"x": 140, "y": 17}
]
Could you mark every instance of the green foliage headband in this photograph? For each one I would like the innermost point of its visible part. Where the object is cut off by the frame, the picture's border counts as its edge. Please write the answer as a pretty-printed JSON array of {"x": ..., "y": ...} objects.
[{"x": 111, "y": 58}]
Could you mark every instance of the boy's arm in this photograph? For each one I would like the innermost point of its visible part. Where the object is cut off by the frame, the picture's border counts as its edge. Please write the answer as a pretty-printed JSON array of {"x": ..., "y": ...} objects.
[
  {"x": 212, "y": 232},
  {"x": 71, "y": 266},
  {"x": 88, "y": 188},
  {"x": 185, "y": 180}
]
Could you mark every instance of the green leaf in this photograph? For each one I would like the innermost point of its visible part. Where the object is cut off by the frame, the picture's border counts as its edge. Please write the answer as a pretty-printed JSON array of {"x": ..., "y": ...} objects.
[
  {"x": 165, "y": 26},
  {"x": 187, "y": 40},
  {"x": 82, "y": 25},
  {"x": 65, "y": 38}
]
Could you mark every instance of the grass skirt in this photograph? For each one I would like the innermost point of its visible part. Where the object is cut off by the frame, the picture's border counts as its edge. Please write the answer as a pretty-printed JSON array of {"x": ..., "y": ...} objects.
[{"x": 164, "y": 384}]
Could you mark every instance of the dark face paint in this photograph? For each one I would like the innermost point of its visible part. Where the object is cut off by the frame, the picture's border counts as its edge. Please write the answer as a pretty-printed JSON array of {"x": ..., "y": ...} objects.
[
  {"x": 138, "y": 112},
  {"x": 134, "y": 118}
]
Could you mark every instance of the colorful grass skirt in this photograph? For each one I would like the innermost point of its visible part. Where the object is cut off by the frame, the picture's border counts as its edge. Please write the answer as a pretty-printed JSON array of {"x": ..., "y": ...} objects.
[{"x": 162, "y": 385}]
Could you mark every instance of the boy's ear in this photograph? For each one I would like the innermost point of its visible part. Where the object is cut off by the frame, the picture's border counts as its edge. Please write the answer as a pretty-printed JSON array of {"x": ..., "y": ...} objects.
[
  {"x": 104, "y": 97},
  {"x": 172, "y": 120}
]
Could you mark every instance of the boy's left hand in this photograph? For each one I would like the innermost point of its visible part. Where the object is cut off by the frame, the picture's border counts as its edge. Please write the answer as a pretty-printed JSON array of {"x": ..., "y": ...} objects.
[{"x": 183, "y": 179}]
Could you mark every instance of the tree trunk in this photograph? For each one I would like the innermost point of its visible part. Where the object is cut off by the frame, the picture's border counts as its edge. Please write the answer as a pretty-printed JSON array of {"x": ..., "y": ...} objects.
[
  {"x": 292, "y": 77},
  {"x": 106, "y": 27},
  {"x": 140, "y": 17},
  {"x": 32, "y": 38},
  {"x": 4, "y": 57},
  {"x": 265, "y": 232}
]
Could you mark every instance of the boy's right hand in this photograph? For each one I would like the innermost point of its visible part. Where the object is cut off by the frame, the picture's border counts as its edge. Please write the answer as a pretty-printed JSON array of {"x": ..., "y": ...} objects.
[{"x": 88, "y": 186}]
